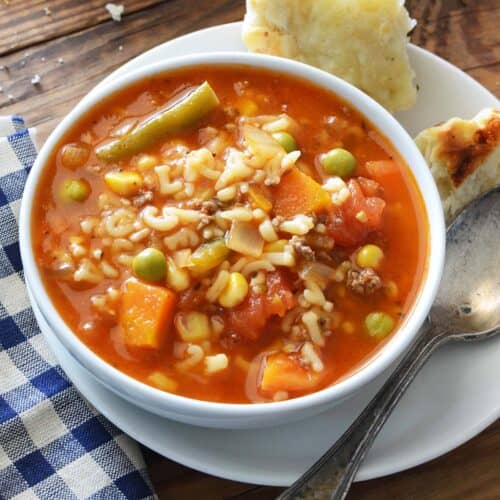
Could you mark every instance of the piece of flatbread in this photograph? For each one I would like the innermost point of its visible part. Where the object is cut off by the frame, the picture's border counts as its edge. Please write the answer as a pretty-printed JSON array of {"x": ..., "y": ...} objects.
[
  {"x": 362, "y": 41},
  {"x": 464, "y": 158}
]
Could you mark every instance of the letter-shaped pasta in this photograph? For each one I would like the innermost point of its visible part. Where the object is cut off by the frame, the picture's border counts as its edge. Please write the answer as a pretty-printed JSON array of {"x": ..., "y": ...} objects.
[
  {"x": 185, "y": 238},
  {"x": 167, "y": 186},
  {"x": 120, "y": 222},
  {"x": 164, "y": 222}
]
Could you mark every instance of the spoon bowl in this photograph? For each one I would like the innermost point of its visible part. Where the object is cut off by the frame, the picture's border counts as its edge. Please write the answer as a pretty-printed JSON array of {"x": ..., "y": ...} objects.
[
  {"x": 467, "y": 308},
  {"x": 467, "y": 305}
]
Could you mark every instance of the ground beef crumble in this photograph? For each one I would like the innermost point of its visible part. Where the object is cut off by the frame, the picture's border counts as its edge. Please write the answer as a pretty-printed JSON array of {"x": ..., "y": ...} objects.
[
  {"x": 320, "y": 241},
  {"x": 142, "y": 199},
  {"x": 363, "y": 281},
  {"x": 302, "y": 249},
  {"x": 209, "y": 207}
]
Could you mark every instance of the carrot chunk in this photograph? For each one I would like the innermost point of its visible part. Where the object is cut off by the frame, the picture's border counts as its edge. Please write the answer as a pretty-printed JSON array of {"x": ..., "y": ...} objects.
[
  {"x": 298, "y": 193},
  {"x": 382, "y": 170},
  {"x": 146, "y": 314},
  {"x": 282, "y": 373}
]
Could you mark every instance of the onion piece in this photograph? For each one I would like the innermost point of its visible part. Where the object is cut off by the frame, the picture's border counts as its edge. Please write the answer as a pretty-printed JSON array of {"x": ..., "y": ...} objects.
[
  {"x": 182, "y": 258},
  {"x": 245, "y": 238},
  {"x": 261, "y": 143},
  {"x": 124, "y": 127},
  {"x": 317, "y": 272},
  {"x": 74, "y": 155}
]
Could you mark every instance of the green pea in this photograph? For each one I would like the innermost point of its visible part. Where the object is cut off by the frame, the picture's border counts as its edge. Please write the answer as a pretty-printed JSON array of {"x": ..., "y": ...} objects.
[
  {"x": 286, "y": 140},
  {"x": 150, "y": 265},
  {"x": 75, "y": 190},
  {"x": 339, "y": 162},
  {"x": 379, "y": 324}
]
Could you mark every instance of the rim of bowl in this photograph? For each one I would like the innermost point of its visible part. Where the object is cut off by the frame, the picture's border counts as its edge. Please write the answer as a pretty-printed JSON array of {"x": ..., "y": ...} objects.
[{"x": 339, "y": 390}]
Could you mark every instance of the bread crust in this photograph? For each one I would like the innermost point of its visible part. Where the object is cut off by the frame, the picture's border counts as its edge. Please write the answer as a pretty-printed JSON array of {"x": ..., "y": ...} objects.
[{"x": 464, "y": 158}]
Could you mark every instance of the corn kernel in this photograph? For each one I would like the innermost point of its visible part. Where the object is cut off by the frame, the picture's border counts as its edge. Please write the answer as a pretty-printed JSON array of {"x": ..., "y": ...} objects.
[
  {"x": 161, "y": 381},
  {"x": 123, "y": 183},
  {"x": 391, "y": 290},
  {"x": 235, "y": 291},
  {"x": 362, "y": 217},
  {"x": 347, "y": 327},
  {"x": 369, "y": 256},
  {"x": 192, "y": 326},
  {"x": 246, "y": 107},
  {"x": 146, "y": 162}
]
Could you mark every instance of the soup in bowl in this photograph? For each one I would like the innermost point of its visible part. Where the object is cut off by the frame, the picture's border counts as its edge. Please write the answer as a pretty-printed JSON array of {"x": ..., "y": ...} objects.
[{"x": 232, "y": 240}]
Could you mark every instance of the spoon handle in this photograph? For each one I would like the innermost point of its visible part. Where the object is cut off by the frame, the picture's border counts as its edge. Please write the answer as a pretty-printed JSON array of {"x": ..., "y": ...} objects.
[{"x": 331, "y": 476}]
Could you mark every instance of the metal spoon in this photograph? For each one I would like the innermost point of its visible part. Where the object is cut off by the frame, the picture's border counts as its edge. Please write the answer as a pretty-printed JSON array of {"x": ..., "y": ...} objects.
[{"x": 467, "y": 308}]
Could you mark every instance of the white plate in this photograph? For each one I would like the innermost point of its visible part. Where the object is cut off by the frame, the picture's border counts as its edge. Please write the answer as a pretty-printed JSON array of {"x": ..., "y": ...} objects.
[{"x": 450, "y": 401}]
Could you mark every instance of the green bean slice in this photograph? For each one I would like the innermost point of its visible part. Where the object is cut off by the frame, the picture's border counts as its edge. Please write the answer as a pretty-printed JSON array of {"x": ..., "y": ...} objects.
[
  {"x": 179, "y": 115},
  {"x": 209, "y": 255}
]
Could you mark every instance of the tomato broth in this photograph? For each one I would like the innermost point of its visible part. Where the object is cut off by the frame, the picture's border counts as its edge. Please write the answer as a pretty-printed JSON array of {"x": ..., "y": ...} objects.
[{"x": 332, "y": 271}]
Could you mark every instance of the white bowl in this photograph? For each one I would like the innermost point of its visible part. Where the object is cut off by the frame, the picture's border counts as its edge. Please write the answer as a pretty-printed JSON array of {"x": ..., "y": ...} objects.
[{"x": 225, "y": 415}]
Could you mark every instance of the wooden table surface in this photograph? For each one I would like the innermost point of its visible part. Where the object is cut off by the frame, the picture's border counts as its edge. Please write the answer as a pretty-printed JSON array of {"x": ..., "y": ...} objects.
[{"x": 74, "y": 44}]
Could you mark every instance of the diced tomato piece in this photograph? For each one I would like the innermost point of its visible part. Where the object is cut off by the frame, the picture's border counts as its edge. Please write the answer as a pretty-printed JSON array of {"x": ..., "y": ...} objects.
[
  {"x": 346, "y": 225},
  {"x": 191, "y": 299},
  {"x": 369, "y": 187},
  {"x": 250, "y": 317},
  {"x": 282, "y": 373},
  {"x": 279, "y": 294},
  {"x": 374, "y": 209}
]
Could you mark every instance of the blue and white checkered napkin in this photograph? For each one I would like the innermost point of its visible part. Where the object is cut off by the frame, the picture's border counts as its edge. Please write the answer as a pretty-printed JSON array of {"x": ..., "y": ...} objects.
[{"x": 53, "y": 444}]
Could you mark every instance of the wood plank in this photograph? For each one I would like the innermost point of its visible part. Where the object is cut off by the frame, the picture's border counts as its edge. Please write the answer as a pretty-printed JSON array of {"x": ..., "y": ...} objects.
[
  {"x": 96, "y": 50},
  {"x": 88, "y": 56},
  {"x": 197, "y": 485},
  {"x": 22, "y": 25},
  {"x": 469, "y": 472},
  {"x": 490, "y": 73},
  {"x": 465, "y": 32}
]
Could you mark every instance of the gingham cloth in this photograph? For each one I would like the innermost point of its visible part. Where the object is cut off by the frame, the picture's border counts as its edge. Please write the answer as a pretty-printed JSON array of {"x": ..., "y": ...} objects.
[{"x": 53, "y": 444}]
